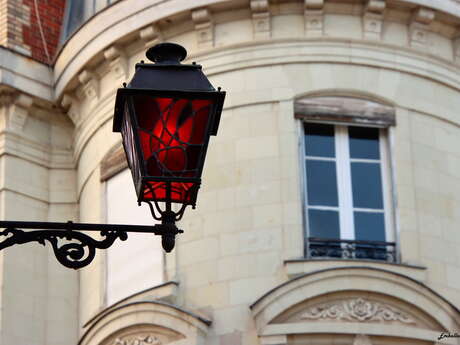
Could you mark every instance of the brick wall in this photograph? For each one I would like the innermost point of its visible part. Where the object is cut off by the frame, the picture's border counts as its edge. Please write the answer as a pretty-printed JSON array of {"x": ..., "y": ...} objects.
[
  {"x": 51, "y": 15},
  {"x": 13, "y": 17},
  {"x": 20, "y": 31}
]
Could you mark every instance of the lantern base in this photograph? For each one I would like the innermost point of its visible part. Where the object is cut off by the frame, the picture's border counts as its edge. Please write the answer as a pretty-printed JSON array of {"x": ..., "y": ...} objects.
[
  {"x": 168, "y": 232},
  {"x": 167, "y": 229}
]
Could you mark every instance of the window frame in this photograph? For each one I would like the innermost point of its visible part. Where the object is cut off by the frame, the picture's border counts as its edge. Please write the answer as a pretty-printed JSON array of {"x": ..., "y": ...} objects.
[
  {"x": 89, "y": 9},
  {"x": 342, "y": 159}
]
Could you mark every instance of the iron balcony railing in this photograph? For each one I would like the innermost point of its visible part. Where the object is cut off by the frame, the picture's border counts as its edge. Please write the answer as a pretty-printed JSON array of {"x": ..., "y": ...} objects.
[{"x": 350, "y": 249}]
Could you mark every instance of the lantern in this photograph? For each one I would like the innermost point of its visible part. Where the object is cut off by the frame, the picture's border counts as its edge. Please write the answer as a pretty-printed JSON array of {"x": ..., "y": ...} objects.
[{"x": 166, "y": 115}]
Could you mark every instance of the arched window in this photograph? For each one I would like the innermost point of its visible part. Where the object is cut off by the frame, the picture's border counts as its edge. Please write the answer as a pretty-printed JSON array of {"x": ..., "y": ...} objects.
[
  {"x": 137, "y": 263},
  {"x": 347, "y": 174}
]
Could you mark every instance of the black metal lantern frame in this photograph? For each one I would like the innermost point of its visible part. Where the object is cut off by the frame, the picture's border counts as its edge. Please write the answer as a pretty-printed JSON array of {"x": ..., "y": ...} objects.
[
  {"x": 140, "y": 175},
  {"x": 185, "y": 123}
]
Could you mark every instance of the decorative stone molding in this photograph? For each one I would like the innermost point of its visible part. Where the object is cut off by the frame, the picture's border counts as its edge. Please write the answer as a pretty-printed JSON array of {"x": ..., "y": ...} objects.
[
  {"x": 204, "y": 27},
  {"x": 151, "y": 35},
  {"x": 113, "y": 162},
  {"x": 362, "y": 339},
  {"x": 90, "y": 88},
  {"x": 314, "y": 18},
  {"x": 70, "y": 106},
  {"x": 357, "y": 309},
  {"x": 144, "y": 335},
  {"x": 373, "y": 19},
  {"x": 260, "y": 18},
  {"x": 344, "y": 110},
  {"x": 149, "y": 339},
  {"x": 418, "y": 28},
  {"x": 6, "y": 97},
  {"x": 118, "y": 63},
  {"x": 18, "y": 112}
]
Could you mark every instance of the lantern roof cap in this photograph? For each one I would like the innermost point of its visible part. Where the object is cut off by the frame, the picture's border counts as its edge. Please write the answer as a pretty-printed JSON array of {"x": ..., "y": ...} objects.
[
  {"x": 167, "y": 73},
  {"x": 170, "y": 53},
  {"x": 167, "y": 78}
]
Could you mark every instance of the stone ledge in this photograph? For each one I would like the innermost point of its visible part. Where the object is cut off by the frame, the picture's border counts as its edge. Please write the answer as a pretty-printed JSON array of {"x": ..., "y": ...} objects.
[
  {"x": 297, "y": 267},
  {"x": 23, "y": 73},
  {"x": 336, "y": 328}
]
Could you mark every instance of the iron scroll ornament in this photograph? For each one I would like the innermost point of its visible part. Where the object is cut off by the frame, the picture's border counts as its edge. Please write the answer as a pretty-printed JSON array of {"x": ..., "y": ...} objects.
[{"x": 75, "y": 249}]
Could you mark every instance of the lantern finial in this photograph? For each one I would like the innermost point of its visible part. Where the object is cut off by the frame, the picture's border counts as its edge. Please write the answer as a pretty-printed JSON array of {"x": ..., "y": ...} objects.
[{"x": 167, "y": 53}]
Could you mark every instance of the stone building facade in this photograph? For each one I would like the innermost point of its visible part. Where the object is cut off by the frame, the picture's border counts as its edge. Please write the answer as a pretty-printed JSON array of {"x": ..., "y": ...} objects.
[{"x": 330, "y": 204}]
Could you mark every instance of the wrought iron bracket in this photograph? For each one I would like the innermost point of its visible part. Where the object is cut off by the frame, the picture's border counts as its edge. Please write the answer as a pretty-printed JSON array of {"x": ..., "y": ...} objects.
[{"x": 75, "y": 249}]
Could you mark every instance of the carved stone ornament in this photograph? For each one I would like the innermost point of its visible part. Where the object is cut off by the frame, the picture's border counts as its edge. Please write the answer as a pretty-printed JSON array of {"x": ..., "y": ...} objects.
[
  {"x": 90, "y": 85},
  {"x": 314, "y": 18},
  {"x": 357, "y": 309},
  {"x": 373, "y": 19},
  {"x": 19, "y": 112},
  {"x": 118, "y": 63},
  {"x": 419, "y": 25},
  {"x": 204, "y": 27},
  {"x": 151, "y": 35},
  {"x": 260, "y": 18},
  {"x": 138, "y": 340}
]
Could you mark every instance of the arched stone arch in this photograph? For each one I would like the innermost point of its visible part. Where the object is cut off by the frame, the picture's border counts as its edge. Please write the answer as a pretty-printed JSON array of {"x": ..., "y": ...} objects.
[
  {"x": 146, "y": 322},
  {"x": 352, "y": 301},
  {"x": 113, "y": 162}
]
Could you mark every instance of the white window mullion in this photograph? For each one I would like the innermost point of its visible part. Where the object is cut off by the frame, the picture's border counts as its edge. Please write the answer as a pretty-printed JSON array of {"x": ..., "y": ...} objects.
[
  {"x": 348, "y": 209},
  {"x": 343, "y": 182}
]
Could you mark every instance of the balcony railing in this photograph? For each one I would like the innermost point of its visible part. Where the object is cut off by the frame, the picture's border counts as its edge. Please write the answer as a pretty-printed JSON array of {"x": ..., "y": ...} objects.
[{"x": 350, "y": 249}]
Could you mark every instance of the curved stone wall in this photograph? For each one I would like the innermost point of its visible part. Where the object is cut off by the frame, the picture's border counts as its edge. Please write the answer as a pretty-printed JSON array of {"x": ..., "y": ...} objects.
[{"x": 248, "y": 219}]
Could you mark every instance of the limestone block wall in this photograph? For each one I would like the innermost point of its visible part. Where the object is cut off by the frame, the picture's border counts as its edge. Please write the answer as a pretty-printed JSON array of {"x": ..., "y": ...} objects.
[
  {"x": 37, "y": 183},
  {"x": 248, "y": 220}
]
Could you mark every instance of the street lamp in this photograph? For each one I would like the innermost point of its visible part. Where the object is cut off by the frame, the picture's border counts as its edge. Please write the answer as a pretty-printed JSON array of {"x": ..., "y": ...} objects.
[{"x": 166, "y": 115}]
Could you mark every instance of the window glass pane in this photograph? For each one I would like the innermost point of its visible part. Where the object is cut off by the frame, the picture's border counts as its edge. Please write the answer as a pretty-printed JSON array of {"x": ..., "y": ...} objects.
[
  {"x": 75, "y": 16},
  {"x": 364, "y": 142},
  {"x": 366, "y": 185},
  {"x": 321, "y": 183},
  {"x": 323, "y": 224},
  {"x": 135, "y": 264},
  {"x": 319, "y": 140},
  {"x": 369, "y": 226}
]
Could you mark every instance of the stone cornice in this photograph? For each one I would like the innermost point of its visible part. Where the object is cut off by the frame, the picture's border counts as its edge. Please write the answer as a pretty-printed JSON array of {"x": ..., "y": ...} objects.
[
  {"x": 105, "y": 29},
  {"x": 23, "y": 73},
  {"x": 333, "y": 51},
  {"x": 16, "y": 145}
]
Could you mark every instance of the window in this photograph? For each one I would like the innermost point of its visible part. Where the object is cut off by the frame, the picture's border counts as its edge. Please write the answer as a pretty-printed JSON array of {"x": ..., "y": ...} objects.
[
  {"x": 137, "y": 263},
  {"x": 79, "y": 11},
  {"x": 348, "y": 199}
]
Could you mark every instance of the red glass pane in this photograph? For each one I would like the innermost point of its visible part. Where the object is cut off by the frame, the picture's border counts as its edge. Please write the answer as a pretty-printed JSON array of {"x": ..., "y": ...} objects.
[
  {"x": 180, "y": 192},
  {"x": 172, "y": 133}
]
